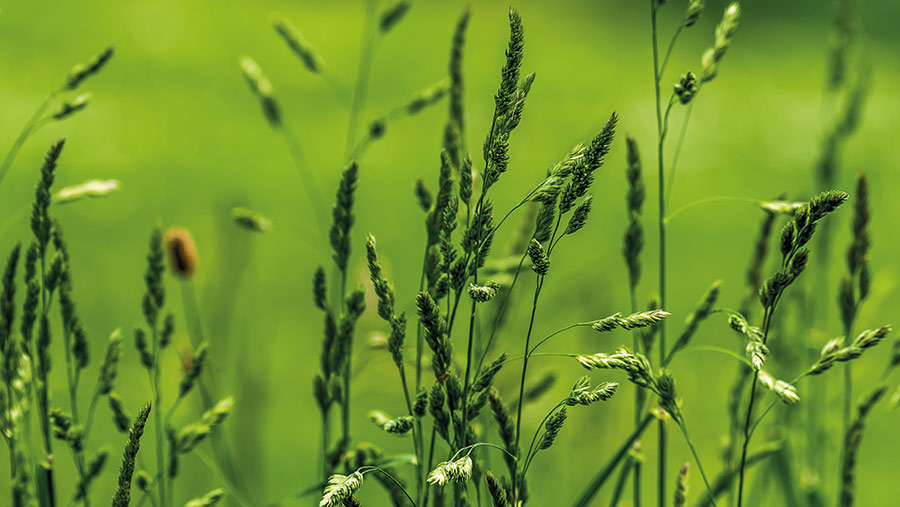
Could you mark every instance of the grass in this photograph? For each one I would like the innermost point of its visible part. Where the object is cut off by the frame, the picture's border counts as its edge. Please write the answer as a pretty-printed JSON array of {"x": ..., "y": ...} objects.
[{"x": 471, "y": 380}]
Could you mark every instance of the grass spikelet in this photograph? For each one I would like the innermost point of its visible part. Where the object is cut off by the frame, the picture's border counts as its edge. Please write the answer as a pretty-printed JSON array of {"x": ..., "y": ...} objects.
[
  {"x": 700, "y": 313},
  {"x": 182, "y": 252},
  {"x": 454, "y": 133},
  {"x": 496, "y": 490},
  {"x": 82, "y": 71},
  {"x": 755, "y": 349},
  {"x": 582, "y": 394},
  {"x": 459, "y": 470},
  {"x": 193, "y": 434},
  {"x": 393, "y": 15},
  {"x": 71, "y": 107},
  {"x": 438, "y": 412},
  {"x": 580, "y": 215},
  {"x": 90, "y": 188},
  {"x": 686, "y": 87},
  {"x": 342, "y": 216},
  {"x": 509, "y": 76},
  {"x": 483, "y": 293},
  {"x": 634, "y": 233},
  {"x": 681, "y": 486},
  {"x": 834, "y": 352},
  {"x": 40, "y": 218},
  {"x": 110, "y": 366},
  {"x": 724, "y": 32},
  {"x": 7, "y": 314},
  {"x": 693, "y": 12},
  {"x": 263, "y": 89},
  {"x": 93, "y": 468},
  {"x": 552, "y": 428},
  {"x": 123, "y": 493},
  {"x": 785, "y": 392},
  {"x": 853, "y": 440},
  {"x": 120, "y": 417},
  {"x": 633, "y": 321},
  {"x": 251, "y": 220},
  {"x": 540, "y": 263},
  {"x": 196, "y": 368},
  {"x": 207, "y": 500},
  {"x": 340, "y": 488},
  {"x": 506, "y": 426},
  {"x": 433, "y": 324},
  {"x": 306, "y": 52}
]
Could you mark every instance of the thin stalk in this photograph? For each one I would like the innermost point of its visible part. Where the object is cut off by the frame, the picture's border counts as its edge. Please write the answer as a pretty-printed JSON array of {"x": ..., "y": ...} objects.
[
  {"x": 416, "y": 433},
  {"x": 12, "y": 435},
  {"x": 638, "y": 404},
  {"x": 531, "y": 450},
  {"x": 44, "y": 399},
  {"x": 678, "y": 146},
  {"x": 157, "y": 402},
  {"x": 363, "y": 73},
  {"x": 521, "y": 402},
  {"x": 661, "y": 476},
  {"x": 767, "y": 320},
  {"x": 326, "y": 438},
  {"x": 621, "y": 480},
  {"x": 500, "y": 313},
  {"x": 687, "y": 438},
  {"x": 72, "y": 377},
  {"x": 594, "y": 486},
  {"x": 26, "y": 131},
  {"x": 345, "y": 405},
  {"x": 306, "y": 175}
]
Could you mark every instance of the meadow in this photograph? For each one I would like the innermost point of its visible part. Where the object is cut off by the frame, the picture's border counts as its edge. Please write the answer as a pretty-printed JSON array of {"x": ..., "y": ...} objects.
[{"x": 310, "y": 266}]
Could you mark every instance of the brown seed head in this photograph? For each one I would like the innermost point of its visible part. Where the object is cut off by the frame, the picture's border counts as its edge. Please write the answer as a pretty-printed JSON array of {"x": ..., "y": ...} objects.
[{"x": 182, "y": 252}]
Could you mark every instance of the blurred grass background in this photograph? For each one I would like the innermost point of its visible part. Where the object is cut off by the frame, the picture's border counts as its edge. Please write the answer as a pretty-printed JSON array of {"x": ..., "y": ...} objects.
[{"x": 173, "y": 120}]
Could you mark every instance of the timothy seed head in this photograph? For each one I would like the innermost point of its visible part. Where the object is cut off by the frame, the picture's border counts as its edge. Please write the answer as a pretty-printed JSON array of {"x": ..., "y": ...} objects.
[{"x": 182, "y": 252}]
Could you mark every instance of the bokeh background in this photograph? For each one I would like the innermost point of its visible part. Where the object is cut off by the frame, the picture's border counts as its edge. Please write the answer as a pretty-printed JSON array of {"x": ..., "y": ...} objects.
[{"x": 173, "y": 120}]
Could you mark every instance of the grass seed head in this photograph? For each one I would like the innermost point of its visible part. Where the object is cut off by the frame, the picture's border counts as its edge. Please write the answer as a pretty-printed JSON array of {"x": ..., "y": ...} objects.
[
  {"x": 182, "y": 252},
  {"x": 306, "y": 52}
]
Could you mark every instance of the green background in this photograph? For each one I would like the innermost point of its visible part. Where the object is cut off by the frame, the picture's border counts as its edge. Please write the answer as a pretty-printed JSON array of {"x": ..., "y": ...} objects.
[{"x": 173, "y": 120}]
